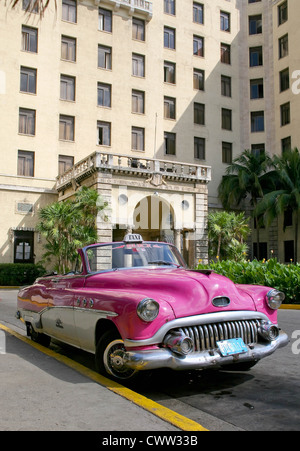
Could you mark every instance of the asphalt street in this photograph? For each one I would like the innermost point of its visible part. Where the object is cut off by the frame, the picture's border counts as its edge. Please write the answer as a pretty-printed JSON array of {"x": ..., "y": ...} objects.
[{"x": 38, "y": 393}]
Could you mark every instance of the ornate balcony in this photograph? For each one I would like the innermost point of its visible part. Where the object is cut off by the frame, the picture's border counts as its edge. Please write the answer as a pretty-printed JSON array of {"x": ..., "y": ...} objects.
[
  {"x": 156, "y": 172},
  {"x": 133, "y": 6}
]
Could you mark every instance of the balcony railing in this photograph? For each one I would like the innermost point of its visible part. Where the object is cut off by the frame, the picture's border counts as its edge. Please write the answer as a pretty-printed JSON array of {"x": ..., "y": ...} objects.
[
  {"x": 142, "y": 6},
  {"x": 152, "y": 169}
]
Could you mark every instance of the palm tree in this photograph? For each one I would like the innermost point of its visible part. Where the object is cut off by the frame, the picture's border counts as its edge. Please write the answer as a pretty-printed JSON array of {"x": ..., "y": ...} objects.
[
  {"x": 70, "y": 225},
  {"x": 227, "y": 232},
  {"x": 249, "y": 175},
  {"x": 286, "y": 196}
]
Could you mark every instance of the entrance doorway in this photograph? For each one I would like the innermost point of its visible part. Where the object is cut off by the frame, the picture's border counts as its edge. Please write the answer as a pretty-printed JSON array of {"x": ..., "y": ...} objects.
[{"x": 23, "y": 247}]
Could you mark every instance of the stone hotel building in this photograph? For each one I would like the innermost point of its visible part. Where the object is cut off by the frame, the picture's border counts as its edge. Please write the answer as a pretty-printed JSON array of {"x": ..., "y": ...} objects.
[{"x": 146, "y": 101}]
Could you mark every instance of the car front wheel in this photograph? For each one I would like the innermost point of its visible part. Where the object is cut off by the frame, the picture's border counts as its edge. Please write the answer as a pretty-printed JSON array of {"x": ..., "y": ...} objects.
[{"x": 110, "y": 361}]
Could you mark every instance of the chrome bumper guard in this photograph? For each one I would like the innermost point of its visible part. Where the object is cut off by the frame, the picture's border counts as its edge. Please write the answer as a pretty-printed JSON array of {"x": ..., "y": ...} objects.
[{"x": 165, "y": 358}]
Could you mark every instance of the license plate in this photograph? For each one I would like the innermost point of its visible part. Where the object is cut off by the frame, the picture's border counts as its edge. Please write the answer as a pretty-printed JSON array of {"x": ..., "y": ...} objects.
[{"x": 232, "y": 346}]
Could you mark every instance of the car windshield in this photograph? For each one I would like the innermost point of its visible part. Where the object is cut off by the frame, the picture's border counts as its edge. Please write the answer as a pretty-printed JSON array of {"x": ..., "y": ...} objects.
[{"x": 132, "y": 255}]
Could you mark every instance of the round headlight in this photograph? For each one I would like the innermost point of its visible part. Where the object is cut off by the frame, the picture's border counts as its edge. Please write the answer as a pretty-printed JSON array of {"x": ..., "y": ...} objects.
[
  {"x": 148, "y": 310},
  {"x": 275, "y": 298}
]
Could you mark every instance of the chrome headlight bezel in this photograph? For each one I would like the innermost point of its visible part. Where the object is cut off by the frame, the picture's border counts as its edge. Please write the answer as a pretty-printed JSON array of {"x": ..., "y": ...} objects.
[
  {"x": 148, "y": 310},
  {"x": 274, "y": 299}
]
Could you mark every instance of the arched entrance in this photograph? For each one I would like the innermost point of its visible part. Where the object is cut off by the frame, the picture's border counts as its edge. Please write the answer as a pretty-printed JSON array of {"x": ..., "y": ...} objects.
[{"x": 153, "y": 218}]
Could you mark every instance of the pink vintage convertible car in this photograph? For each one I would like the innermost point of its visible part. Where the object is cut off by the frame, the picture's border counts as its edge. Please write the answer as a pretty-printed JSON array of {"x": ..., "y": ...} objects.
[{"x": 136, "y": 306}]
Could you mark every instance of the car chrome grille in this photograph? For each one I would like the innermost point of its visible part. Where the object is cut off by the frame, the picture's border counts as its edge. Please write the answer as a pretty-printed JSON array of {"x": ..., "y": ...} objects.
[{"x": 206, "y": 336}]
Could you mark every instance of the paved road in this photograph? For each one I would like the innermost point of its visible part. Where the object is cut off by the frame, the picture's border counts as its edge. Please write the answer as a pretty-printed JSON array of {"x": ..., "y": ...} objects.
[{"x": 265, "y": 398}]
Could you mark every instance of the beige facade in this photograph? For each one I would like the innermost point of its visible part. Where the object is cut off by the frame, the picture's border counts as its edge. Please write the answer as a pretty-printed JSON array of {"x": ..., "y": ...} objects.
[{"x": 149, "y": 96}]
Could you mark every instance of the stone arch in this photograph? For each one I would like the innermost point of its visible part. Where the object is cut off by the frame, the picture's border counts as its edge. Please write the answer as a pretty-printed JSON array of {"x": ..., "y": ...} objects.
[{"x": 154, "y": 218}]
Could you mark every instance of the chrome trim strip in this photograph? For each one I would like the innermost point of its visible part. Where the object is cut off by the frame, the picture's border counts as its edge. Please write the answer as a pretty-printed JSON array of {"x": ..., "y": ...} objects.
[
  {"x": 205, "y": 319},
  {"x": 76, "y": 309}
]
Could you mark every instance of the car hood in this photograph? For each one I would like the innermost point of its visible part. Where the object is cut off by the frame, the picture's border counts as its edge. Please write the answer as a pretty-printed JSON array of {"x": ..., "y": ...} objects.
[{"x": 188, "y": 292}]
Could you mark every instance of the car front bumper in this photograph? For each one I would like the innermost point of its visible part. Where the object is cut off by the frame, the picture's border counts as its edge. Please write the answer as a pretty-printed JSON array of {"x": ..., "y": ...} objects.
[{"x": 165, "y": 358}]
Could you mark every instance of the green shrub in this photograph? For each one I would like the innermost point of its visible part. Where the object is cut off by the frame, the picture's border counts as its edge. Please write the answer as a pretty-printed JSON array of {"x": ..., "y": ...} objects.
[
  {"x": 269, "y": 273},
  {"x": 17, "y": 274}
]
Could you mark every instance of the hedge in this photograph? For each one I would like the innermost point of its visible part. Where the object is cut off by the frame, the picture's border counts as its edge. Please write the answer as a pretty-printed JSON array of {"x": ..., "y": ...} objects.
[
  {"x": 17, "y": 274},
  {"x": 269, "y": 273}
]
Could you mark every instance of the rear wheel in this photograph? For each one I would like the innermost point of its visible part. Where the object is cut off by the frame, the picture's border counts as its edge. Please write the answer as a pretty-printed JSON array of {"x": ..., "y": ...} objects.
[
  {"x": 109, "y": 357},
  {"x": 37, "y": 337}
]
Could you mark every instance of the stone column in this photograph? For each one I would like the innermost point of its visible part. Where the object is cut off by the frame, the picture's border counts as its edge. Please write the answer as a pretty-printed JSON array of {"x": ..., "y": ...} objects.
[
  {"x": 201, "y": 214},
  {"x": 177, "y": 239},
  {"x": 104, "y": 225}
]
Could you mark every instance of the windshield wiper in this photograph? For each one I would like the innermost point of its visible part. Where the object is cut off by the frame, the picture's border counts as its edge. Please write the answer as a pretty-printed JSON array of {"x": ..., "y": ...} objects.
[{"x": 162, "y": 262}]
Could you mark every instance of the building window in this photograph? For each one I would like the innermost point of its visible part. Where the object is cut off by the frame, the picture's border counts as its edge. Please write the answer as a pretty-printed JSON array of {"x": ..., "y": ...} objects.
[
  {"x": 225, "y": 53},
  {"x": 283, "y": 13},
  {"x": 23, "y": 247},
  {"x": 138, "y": 102},
  {"x": 104, "y": 133},
  {"x": 66, "y": 128},
  {"x": 226, "y": 153},
  {"x": 30, "y": 6},
  {"x": 169, "y": 38},
  {"x": 226, "y": 119},
  {"x": 198, "y": 46},
  {"x": 169, "y": 108},
  {"x": 64, "y": 163},
  {"x": 255, "y": 56},
  {"x": 285, "y": 111},
  {"x": 258, "y": 150},
  {"x": 257, "y": 89},
  {"x": 199, "y": 77},
  {"x": 25, "y": 163},
  {"x": 286, "y": 144},
  {"x": 170, "y": 143},
  {"x": 138, "y": 29},
  {"x": 138, "y": 65},
  {"x": 104, "y": 57},
  {"x": 69, "y": 11},
  {"x": 26, "y": 121},
  {"x": 169, "y": 7},
  {"x": 104, "y": 95},
  {"x": 284, "y": 46},
  {"x": 284, "y": 80},
  {"x": 198, "y": 13},
  {"x": 199, "y": 113},
  {"x": 255, "y": 24},
  {"x": 28, "y": 80},
  {"x": 225, "y": 86},
  {"x": 288, "y": 218},
  {"x": 68, "y": 48},
  {"x": 67, "y": 88},
  {"x": 138, "y": 139},
  {"x": 257, "y": 121},
  {"x": 29, "y": 39},
  {"x": 199, "y": 148},
  {"x": 105, "y": 20},
  {"x": 225, "y": 21},
  {"x": 169, "y": 72}
]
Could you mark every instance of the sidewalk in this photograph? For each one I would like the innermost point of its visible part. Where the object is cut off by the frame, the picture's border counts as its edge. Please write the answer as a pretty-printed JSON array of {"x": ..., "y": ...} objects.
[{"x": 39, "y": 392}]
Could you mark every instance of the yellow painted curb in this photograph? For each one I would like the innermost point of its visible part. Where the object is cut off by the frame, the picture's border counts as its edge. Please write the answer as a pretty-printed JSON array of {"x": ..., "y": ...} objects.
[
  {"x": 290, "y": 307},
  {"x": 177, "y": 420}
]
